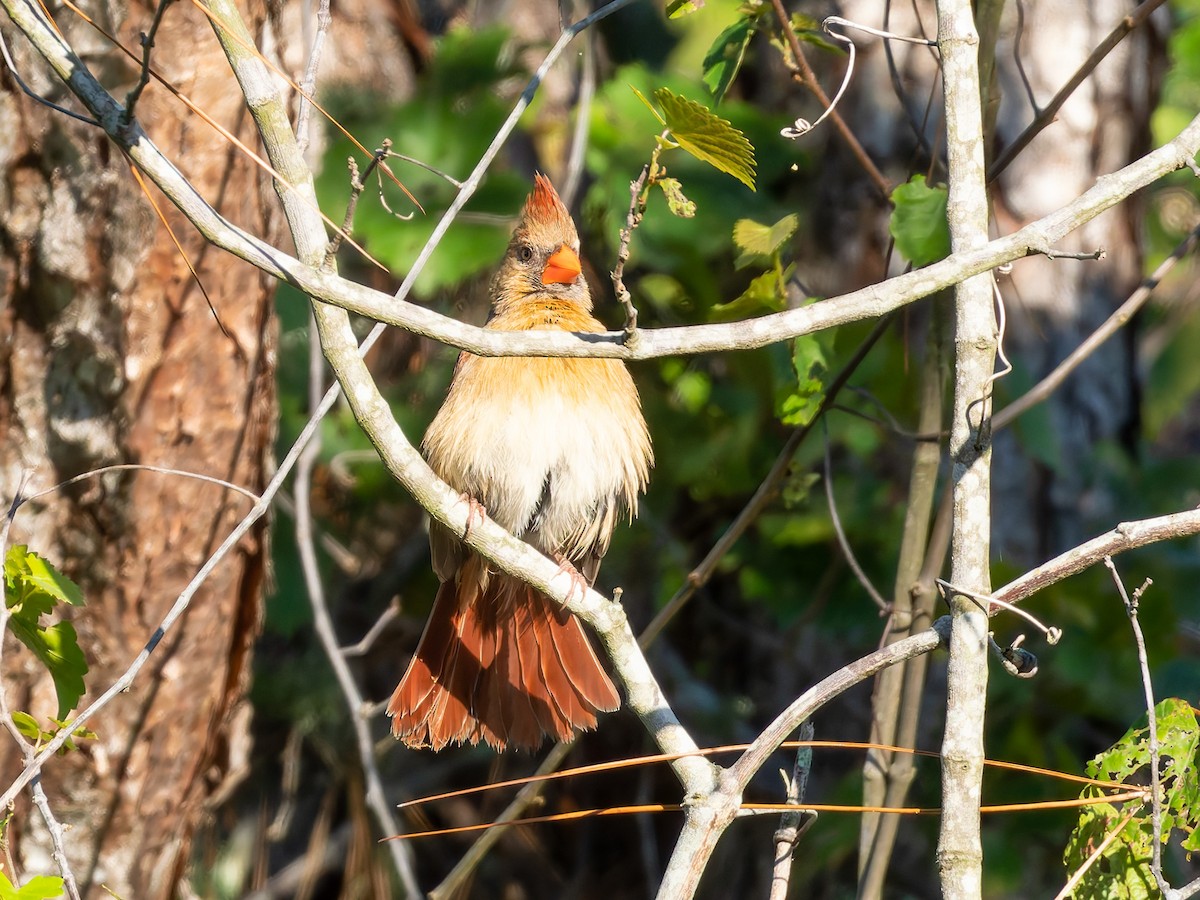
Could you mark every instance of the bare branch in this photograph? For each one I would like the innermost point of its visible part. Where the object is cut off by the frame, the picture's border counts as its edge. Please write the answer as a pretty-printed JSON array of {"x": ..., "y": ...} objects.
[{"x": 960, "y": 848}]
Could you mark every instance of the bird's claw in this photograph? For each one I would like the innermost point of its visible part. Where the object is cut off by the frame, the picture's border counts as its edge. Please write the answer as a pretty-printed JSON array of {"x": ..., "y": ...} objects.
[
  {"x": 476, "y": 511},
  {"x": 578, "y": 582}
]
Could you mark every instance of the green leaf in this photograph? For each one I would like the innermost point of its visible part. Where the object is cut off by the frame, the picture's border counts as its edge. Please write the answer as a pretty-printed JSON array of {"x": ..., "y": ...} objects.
[
  {"x": 34, "y": 585},
  {"x": 707, "y": 136},
  {"x": 40, "y": 887},
  {"x": 42, "y": 575},
  {"x": 1124, "y": 869},
  {"x": 765, "y": 294},
  {"x": 812, "y": 370},
  {"x": 758, "y": 240},
  {"x": 29, "y": 728},
  {"x": 919, "y": 222},
  {"x": 676, "y": 201},
  {"x": 677, "y": 8},
  {"x": 724, "y": 57},
  {"x": 58, "y": 649}
]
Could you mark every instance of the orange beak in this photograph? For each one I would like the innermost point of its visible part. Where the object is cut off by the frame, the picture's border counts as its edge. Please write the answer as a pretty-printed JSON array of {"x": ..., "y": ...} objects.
[{"x": 562, "y": 268}]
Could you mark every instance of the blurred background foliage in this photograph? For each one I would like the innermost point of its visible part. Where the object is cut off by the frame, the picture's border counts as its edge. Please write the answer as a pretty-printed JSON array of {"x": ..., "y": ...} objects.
[{"x": 783, "y": 609}]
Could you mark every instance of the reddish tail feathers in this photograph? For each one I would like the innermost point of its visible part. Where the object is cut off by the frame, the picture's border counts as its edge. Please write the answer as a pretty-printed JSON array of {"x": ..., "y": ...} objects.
[{"x": 505, "y": 666}]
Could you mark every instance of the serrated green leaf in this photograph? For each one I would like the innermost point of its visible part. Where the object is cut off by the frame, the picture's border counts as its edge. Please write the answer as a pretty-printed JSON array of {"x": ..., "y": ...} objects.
[
  {"x": 757, "y": 239},
  {"x": 676, "y": 201},
  {"x": 677, "y": 8},
  {"x": 48, "y": 579},
  {"x": 66, "y": 663},
  {"x": 707, "y": 136},
  {"x": 724, "y": 57},
  {"x": 918, "y": 222}
]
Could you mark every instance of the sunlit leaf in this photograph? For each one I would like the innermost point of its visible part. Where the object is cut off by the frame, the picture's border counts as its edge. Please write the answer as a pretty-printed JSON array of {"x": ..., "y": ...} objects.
[
  {"x": 40, "y": 887},
  {"x": 707, "y": 136},
  {"x": 756, "y": 239}
]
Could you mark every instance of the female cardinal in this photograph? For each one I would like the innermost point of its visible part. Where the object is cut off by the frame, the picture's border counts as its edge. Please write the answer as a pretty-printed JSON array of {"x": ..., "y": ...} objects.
[{"x": 555, "y": 450}]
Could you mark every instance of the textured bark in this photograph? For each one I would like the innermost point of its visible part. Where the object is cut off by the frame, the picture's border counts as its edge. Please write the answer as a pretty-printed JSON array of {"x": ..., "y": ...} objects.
[{"x": 109, "y": 355}]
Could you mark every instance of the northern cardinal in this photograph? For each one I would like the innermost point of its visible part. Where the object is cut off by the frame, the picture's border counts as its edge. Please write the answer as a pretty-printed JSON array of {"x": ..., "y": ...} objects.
[{"x": 556, "y": 450}]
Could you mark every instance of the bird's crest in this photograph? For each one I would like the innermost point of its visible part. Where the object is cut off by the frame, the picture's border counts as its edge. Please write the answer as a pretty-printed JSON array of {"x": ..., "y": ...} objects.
[{"x": 544, "y": 208}]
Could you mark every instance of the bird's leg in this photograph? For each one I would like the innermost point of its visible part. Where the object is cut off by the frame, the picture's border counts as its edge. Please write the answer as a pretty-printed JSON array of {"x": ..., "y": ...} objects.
[
  {"x": 477, "y": 511},
  {"x": 578, "y": 582}
]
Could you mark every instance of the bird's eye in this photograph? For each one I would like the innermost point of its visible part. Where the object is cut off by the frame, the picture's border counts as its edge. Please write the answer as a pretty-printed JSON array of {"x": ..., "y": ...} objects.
[{"x": 524, "y": 253}]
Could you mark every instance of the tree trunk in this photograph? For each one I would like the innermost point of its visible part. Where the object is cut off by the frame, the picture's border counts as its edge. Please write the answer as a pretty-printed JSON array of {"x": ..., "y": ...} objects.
[{"x": 111, "y": 355}]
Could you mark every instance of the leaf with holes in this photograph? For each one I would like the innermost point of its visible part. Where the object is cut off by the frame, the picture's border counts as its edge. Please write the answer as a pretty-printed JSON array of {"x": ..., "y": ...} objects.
[
  {"x": 707, "y": 136},
  {"x": 1124, "y": 868},
  {"x": 676, "y": 201}
]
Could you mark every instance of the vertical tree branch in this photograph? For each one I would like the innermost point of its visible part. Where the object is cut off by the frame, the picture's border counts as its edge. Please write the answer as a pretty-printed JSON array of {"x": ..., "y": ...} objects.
[
  {"x": 298, "y": 196},
  {"x": 960, "y": 852},
  {"x": 896, "y": 704}
]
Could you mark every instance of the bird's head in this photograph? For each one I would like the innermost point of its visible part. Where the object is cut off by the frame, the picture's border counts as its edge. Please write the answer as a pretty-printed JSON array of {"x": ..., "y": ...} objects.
[{"x": 542, "y": 262}]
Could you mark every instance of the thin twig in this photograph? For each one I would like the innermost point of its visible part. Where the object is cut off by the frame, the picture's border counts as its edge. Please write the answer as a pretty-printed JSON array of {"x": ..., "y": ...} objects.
[
  {"x": 1131, "y": 610},
  {"x": 34, "y": 95},
  {"x": 637, "y": 209},
  {"x": 140, "y": 467},
  {"x": 840, "y": 533},
  {"x": 392, "y": 154},
  {"x": 1114, "y": 323},
  {"x": 57, "y": 837},
  {"x": 308, "y": 84},
  {"x": 147, "y": 40},
  {"x": 357, "y": 186},
  {"x": 583, "y": 122},
  {"x": 1127, "y": 24},
  {"x": 368, "y": 640},
  {"x": 794, "y": 823}
]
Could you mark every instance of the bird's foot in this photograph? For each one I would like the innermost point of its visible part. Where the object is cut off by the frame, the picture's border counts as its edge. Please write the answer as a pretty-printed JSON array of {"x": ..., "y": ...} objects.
[
  {"x": 578, "y": 582},
  {"x": 476, "y": 512}
]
